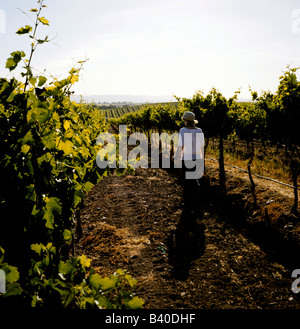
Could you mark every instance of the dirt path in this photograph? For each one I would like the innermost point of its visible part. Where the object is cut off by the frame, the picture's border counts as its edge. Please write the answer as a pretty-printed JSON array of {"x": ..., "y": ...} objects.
[{"x": 206, "y": 257}]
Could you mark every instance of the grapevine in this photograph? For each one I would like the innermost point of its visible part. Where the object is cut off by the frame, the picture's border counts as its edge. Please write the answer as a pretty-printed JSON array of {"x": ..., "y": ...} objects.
[{"x": 48, "y": 143}]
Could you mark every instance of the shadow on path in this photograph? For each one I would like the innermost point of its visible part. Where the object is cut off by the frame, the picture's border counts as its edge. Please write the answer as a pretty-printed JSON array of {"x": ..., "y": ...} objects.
[{"x": 187, "y": 243}]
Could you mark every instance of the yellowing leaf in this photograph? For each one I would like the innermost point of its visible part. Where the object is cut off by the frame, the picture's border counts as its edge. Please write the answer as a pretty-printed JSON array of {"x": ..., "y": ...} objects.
[
  {"x": 24, "y": 30},
  {"x": 25, "y": 149},
  {"x": 74, "y": 78},
  {"x": 84, "y": 261},
  {"x": 67, "y": 146},
  {"x": 132, "y": 282},
  {"x": 69, "y": 133},
  {"x": 120, "y": 272},
  {"x": 43, "y": 20},
  {"x": 55, "y": 116},
  {"x": 67, "y": 124}
]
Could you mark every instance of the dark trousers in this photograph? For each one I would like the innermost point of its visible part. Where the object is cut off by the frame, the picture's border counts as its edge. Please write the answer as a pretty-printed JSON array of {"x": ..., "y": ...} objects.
[{"x": 190, "y": 185}]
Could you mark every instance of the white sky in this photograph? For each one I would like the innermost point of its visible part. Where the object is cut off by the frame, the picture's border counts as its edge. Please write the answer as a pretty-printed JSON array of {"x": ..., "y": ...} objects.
[{"x": 162, "y": 47}]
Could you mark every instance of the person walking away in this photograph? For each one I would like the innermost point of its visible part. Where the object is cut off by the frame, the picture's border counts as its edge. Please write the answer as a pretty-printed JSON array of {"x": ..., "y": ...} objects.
[{"x": 190, "y": 157}]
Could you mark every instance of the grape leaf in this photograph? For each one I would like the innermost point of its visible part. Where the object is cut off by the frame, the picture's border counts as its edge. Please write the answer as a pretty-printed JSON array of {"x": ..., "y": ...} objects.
[
  {"x": 37, "y": 247},
  {"x": 108, "y": 283},
  {"x": 42, "y": 81},
  {"x": 67, "y": 146},
  {"x": 12, "y": 62},
  {"x": 24, "y": 30},
  {"x": 43, "y": 20},
  {"x": 25, "y": 149},
  {"x": 95, "y": 281},
  {"x": 52, "y": 207},
  {"x": 135, "y": 303}
]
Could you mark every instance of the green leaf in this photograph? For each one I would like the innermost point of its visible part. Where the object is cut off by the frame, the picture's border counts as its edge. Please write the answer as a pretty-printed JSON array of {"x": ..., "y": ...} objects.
[
  {"x": 2, "y": 252},
  {"x": 70, "y": 298},
  {"x": 52, "y": 207},
  {"x": 108, "y": 283},
  {"x": 88, "y": 186},
  {"x": 62, "y": 83},
  {"x": 13, "y": 289},
  {"x": 31, "y": 116},
  {"x": 42, "y": 115},
  {"x": 67, "y": 235},
  {"x": 37, "y": 247},
  {"x": 12, "y": 62},
  {"x": 47, "y": 157},
  {"x": 135, "y": 303},
  {"x": 24, "y": 30},
  {"x": 31, "y": 195},
  {"x": 32, "y": 100},
  {"x": 132, "y": 282},
  {"x": 33, "y": 81},
  {"x": 95, "y": 281},
  {"x": 5, "y": 86},
  {"x": 11, "y": 97},
  {"x": 49, "y": 218},
  {"x": 42, "y": 81},
  {"x": 51, "y": 248},
  {"x": 65, "y": 268},
  {"x": 11, "y": 273},
  {"x": 41, "y": 41},
  {"x": 43, "y": 20}
]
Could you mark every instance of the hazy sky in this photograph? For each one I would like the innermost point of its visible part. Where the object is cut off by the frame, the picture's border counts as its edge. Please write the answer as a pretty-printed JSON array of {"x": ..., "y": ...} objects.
[{"x": 162, "y": 47}]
